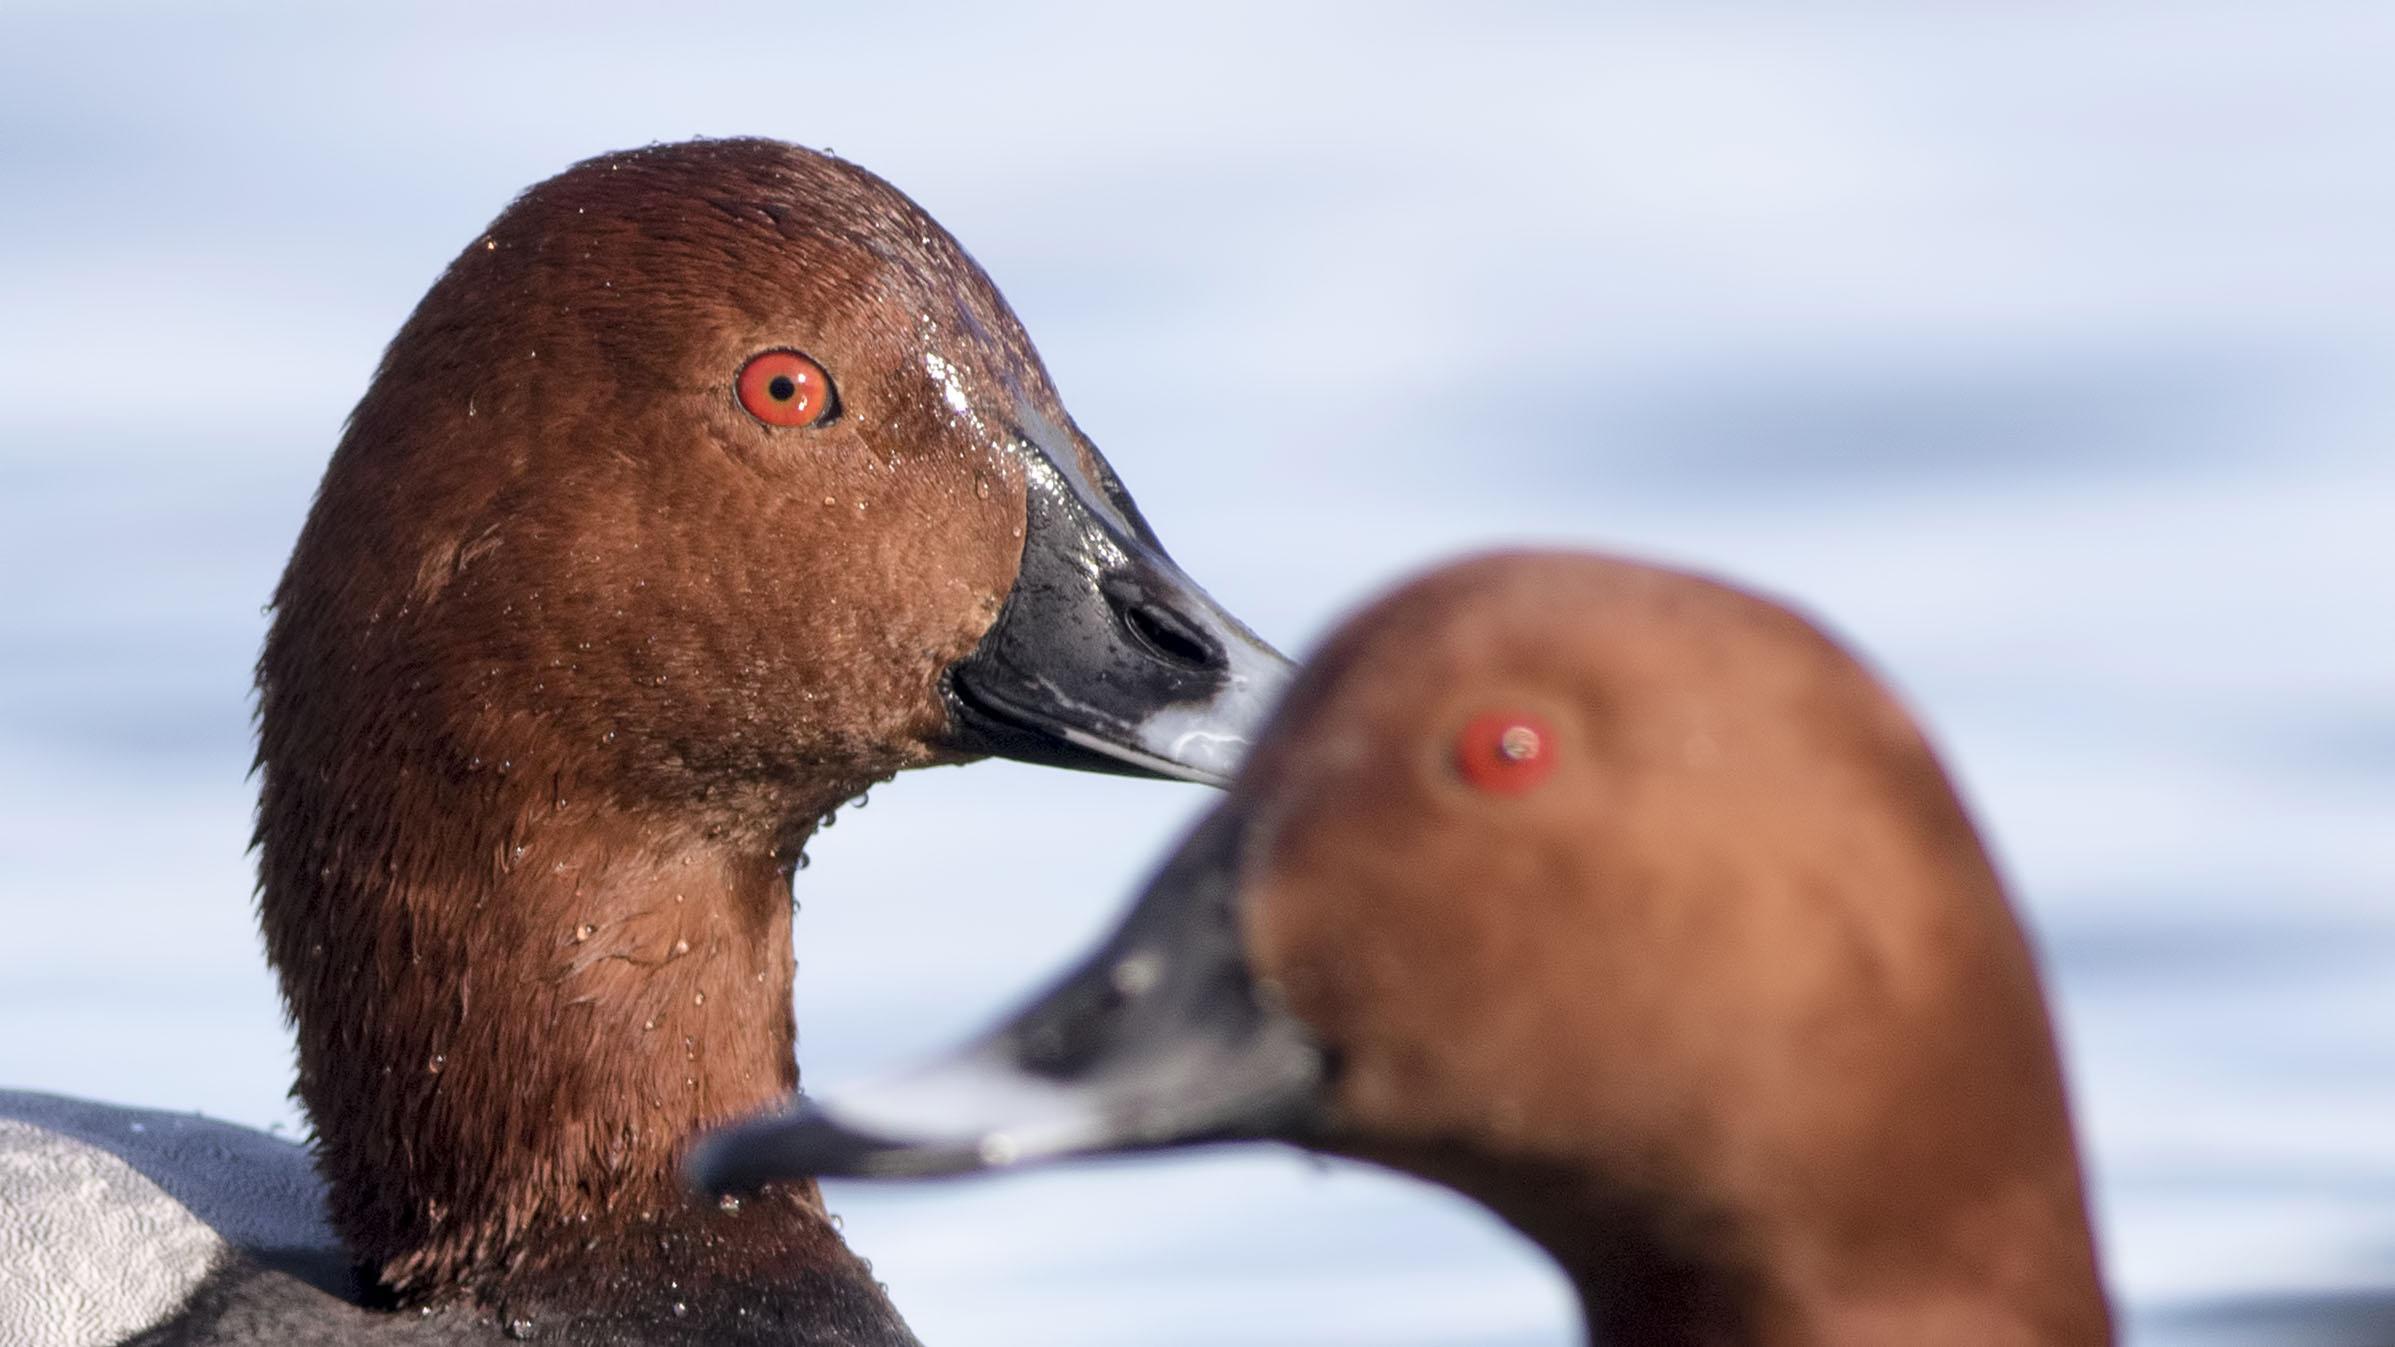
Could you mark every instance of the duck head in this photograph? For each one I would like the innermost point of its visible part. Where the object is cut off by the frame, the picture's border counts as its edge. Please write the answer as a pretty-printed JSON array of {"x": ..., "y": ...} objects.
[
  {"x": 1618, "y": 899},
  {"x": 732, "y": 450},
  {"x": 711, "y": 484}
]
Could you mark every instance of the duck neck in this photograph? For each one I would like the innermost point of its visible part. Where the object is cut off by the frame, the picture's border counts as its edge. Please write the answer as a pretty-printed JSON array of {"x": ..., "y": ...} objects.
[
  {"x": 515, "y": 1008},
  {"x": 2018, "y": 1269},
  {"x": 1653, "y": 1299}
]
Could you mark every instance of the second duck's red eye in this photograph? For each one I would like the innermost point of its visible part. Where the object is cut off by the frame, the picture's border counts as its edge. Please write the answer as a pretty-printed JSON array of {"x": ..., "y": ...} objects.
[
  {"x": 784, "y": 388},
  {"x": 1505, "y": 752}
]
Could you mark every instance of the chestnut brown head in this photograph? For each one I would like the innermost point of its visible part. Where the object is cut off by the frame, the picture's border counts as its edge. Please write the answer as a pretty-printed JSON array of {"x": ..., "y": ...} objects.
[
  {"x": 1619, "y": 899},
  {"x": 713, "y": 466}
]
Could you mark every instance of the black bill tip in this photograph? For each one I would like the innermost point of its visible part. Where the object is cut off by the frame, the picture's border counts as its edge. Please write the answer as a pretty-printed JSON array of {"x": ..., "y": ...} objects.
[
  {"x": 1162, "y": 1038},
  {"x": 808, "y": 1142},
  {"x": 1107, "y": 656}
]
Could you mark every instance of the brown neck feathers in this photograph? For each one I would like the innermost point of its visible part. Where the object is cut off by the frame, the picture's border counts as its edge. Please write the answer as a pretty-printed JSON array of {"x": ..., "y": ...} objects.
[
  {"x": 1672, "y": 1271},
  {"x": 516, "y": 1001}
]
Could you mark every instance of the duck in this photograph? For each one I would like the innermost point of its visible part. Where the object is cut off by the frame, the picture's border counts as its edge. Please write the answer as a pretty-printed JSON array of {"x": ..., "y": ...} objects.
[
  {"x": 712, "y": 484},
  {"x": 1619, "y": 899}
]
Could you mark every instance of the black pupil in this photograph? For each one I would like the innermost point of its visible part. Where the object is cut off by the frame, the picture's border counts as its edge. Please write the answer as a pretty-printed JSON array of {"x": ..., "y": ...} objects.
[{"x": 782, "y": 389}]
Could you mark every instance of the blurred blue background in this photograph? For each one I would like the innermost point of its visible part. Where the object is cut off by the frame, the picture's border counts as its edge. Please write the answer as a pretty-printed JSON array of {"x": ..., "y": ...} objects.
[{"x": 2047, "y": 352}]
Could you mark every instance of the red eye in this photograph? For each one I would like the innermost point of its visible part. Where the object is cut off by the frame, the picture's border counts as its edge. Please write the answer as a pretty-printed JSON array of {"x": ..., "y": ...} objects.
[
  {"x": 784, "y": 388},
  {"x": 1505, "y": 752}
]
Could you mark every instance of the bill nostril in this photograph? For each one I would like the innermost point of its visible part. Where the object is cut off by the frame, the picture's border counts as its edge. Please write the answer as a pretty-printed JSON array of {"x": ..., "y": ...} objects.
[{"x": 1170, "y": 636}]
